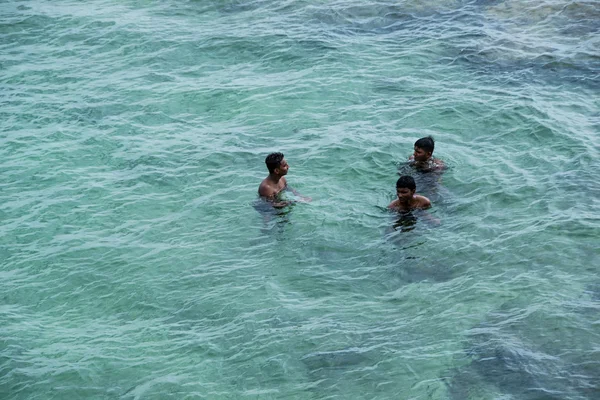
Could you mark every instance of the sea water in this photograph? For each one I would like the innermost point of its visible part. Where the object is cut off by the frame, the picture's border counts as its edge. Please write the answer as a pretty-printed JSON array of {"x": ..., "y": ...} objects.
[{"x": 136, "y": 263}]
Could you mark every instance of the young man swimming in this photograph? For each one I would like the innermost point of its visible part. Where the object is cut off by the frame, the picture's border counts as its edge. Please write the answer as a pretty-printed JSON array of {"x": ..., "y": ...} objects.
[
  {"x": 422, "y": 158},
  {"x": 271, "y": 187},
  {"x": 407, "y": 199}
]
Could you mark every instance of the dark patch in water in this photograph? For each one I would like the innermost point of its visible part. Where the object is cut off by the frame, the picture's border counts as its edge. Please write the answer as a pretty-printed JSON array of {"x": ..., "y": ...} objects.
[
  {"x": 333, "y": 359},
  {"x": 486, "y": 3},
  {"x": 417, "y": 273},
  {"x": 272, "y": 50},
  {"x": 405, "y": 222},
  {"x": 594, "y": 291},
  {"x": 531, "y": 69},
  {"x": 237, "y": 6},
  {"x": 581, "y": 28},
  {"x": 504, "y": 57},
  {"x": 368, "y": 19},
  {"x": 481, "y": 41},
  {"x": 274, "y": 220},
  {"x": 521, "y": 356},
  {"x": 427, "y": 181},
  {"x": 580, "y": 18}
]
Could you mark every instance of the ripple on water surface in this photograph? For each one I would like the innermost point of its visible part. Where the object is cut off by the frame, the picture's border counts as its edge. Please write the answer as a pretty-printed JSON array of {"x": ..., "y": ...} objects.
[{"x": 135, "y": 261}]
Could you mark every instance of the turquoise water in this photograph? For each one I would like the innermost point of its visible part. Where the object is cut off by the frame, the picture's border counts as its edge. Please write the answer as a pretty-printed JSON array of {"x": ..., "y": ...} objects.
[{"x": 136, "y": 264}]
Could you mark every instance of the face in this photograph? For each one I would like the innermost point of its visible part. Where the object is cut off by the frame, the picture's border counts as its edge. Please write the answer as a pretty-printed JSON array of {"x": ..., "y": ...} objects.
[
  {"x": 404, "y": 194},
  {"x": 421, "y": 155},
  {"x": 283, "y": 168}
]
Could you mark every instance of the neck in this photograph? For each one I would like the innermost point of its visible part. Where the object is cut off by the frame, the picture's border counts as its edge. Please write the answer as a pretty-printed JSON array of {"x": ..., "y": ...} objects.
[{"x": 274, "y": 177}]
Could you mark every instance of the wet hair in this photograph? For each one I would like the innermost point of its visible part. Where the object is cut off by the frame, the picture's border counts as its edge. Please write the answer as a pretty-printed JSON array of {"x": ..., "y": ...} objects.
[
  {"x": 273, "y": 161},
  {"x": 407, "y": 182},
  {"x": 425, "y": 143}
]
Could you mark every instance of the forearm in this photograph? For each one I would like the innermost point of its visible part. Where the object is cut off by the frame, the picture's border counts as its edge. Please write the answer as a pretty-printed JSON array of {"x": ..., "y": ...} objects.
[{"x": 294, "y": 191}]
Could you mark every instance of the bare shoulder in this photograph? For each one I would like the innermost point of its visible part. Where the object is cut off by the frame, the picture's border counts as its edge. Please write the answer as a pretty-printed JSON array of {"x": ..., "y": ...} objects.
[
  {"x": 265, "y": 189},
  {"x": 423, "y": 202},
  {"x": 393, "y": 204}
]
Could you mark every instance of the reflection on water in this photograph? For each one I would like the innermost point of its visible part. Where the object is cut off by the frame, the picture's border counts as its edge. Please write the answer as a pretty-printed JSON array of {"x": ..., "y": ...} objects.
[
  {"x": 405, "y": 222},
  {"x": 406, "y": 258},
  {"x": 274, "y": 220}
]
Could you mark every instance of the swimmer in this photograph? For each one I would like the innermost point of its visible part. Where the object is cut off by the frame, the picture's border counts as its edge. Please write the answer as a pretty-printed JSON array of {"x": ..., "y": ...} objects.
[
  {"x": 422, "y": 157},
  {"x": 272, "y": 186},
  {"x": 407, "y": 199}
]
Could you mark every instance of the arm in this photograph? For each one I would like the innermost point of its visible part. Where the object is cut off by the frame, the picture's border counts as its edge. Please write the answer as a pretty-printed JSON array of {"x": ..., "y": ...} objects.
[
  {"x": 296, "y": 193},
  {"x": 424, "y": 203}
]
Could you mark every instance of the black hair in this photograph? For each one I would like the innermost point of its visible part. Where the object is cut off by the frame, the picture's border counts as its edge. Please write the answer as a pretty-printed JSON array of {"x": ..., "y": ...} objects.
[
  {"x": 425, "y": 143},
  {"x": 406, "y": 181},
  {"x": 273, "y": 161}
]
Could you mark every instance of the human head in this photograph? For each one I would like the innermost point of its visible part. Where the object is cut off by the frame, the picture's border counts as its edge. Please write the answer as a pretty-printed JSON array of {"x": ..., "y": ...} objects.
[
  {"x": 406, "y": 181},
  {"x": 276, "y": 164},
  {"x": 405, "y": 187},
  {"x": 424, "y": 148}
]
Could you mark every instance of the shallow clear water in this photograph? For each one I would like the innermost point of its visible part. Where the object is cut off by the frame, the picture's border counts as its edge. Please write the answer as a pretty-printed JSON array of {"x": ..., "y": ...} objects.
[{"x": 135, "y": 263}]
